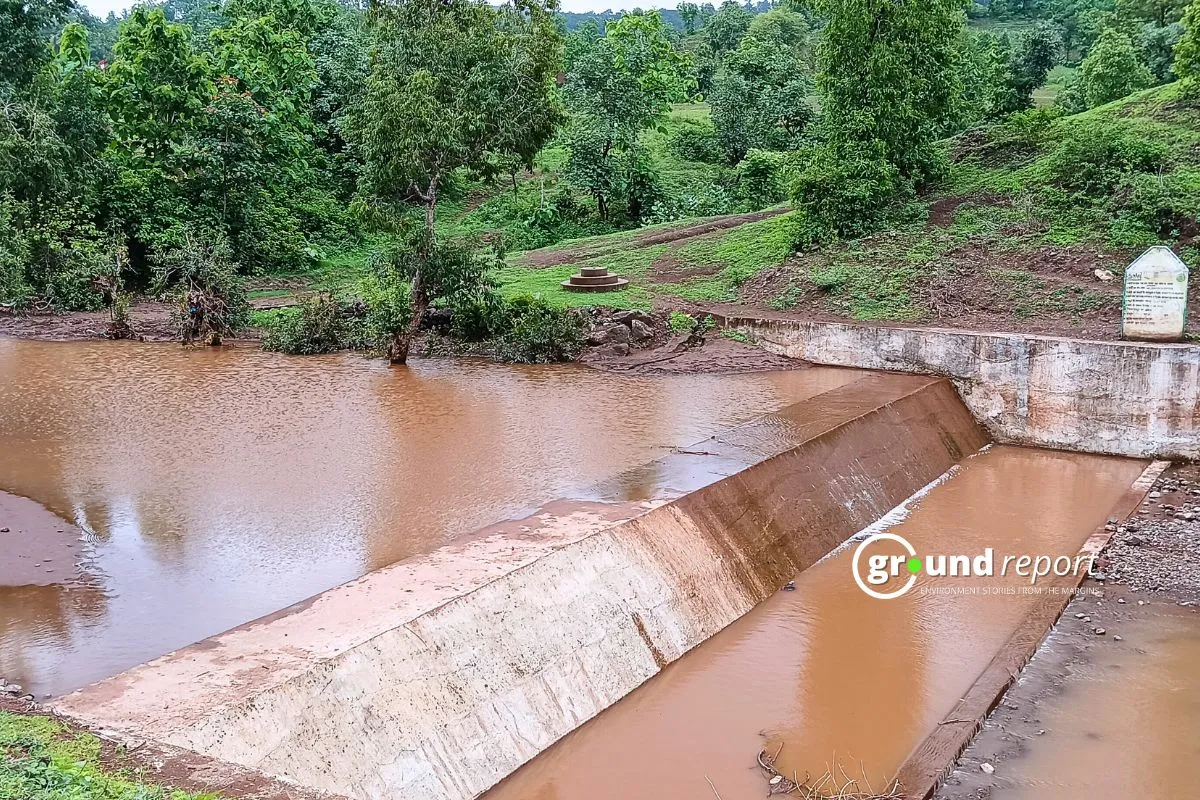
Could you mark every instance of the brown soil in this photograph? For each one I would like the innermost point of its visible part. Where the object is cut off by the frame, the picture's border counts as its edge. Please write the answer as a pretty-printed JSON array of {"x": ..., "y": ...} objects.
[
  {"x": 40, "y": 548},
  {"x": 555, "y": 256},
  {"x": 967, "y": 290},
  {"x": 173, "y": 768},
  {"x": 150, "y": 321},
  {"x": 717, "y": 355}
]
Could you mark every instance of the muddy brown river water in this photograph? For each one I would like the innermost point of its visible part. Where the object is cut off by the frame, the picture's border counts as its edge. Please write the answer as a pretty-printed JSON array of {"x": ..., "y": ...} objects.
[
  {"x": 826, "y": 676},
  {"x": 204, "y": 488}
]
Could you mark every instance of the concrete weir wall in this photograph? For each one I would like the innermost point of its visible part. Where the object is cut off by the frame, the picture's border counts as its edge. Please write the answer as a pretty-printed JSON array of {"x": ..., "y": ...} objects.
[
  {"x": 1118, "y": 398},
  {"x": 437, "y": 677}
]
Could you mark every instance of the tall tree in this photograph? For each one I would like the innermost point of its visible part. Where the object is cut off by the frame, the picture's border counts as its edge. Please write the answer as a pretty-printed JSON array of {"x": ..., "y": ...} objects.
[
  {"x": 454, "y": 84},
  {"x": 727, "y": 26},
  {"x": 623, "y": 83},
  {"x": 760, "y": 97},
  {"x": 1112, "y": 69},
  {"x": 1187, "y": 52},
  {"x": 888, "y": 76}
]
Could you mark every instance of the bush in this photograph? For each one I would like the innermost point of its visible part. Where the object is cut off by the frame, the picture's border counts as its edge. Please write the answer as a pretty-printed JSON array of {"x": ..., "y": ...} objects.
[
  {"x": 844, "y": 195},
  {"x": 386, "y": 295},
  {"x": 478, "y": 316},
  {"x": 761, "y": 178},
  {"x": 538, "y": 333},
  {"x": 320, "y": 325},
  {"x": 680, "y": 322},
  {"x": 1112, "y": 69},
  {"x": 696, "y": 141},
  {"x": 1094, "y": 157},
  {"x": 199, "y": 271}
]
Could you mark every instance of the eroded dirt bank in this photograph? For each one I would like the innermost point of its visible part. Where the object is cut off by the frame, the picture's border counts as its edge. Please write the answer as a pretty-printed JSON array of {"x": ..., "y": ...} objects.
[{"x": 1110, "y": 705}]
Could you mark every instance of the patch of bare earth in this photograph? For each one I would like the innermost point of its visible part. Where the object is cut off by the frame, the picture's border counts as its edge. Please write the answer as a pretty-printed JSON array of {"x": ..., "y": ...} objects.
[
  {"x": 151, "y": 322},
  {"x": 1049, "y": 289}
]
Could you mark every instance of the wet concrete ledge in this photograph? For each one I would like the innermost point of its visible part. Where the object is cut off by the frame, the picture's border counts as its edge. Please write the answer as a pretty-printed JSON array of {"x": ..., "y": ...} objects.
[
  {"x": 437, "y": 677},
  {"x": 1118, "y": 398}
]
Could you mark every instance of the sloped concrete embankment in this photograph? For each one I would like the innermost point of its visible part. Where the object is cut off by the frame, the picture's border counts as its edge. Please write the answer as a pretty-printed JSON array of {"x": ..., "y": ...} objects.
[
  {"x": 437, "y": 677},
  {"x": 1118, "y": 398}
]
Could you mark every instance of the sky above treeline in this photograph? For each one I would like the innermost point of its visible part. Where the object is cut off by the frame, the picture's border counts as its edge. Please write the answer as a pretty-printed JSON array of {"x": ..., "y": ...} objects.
[{"x": 100, "y": 8}]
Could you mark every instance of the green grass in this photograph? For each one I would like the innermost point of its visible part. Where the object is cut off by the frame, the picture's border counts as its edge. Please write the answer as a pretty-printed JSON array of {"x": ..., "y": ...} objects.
[
  {"x": 44, "y": 760},
  {"x": 740, "y": 253},
  {"x": 546, "y": 283},
  {"x": 1046, "y": 94}
]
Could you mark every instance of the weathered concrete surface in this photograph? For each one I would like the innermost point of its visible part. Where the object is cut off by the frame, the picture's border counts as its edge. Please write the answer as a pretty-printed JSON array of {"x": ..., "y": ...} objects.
[
  {"x": 1119, "y": 398},
  {"x": 437, "y": 677}
]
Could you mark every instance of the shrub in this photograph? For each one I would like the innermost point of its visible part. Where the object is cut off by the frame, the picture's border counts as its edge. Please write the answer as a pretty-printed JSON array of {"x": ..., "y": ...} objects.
[
  {"x": 199, "y": 271},
  {"x": 478, "y": 316},
  {"x": 1112, "y": 69},
  {"x": 319, "y": 325},
  {"x": 680, "y": 322},
  {"x": 695, "y": 141},
  {"x": 1094, "y": 157},
  {"x": 386, "y": 295},
  {"x": 844, "y": 194},
  {"x": 761, "y": 178},
  {"x": 1187, "y": 50},
  {"x": 538, "y": 333}
]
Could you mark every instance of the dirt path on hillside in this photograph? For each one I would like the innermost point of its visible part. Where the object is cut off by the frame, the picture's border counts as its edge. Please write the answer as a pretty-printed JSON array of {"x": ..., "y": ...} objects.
[{"x": 555, "y": 255}]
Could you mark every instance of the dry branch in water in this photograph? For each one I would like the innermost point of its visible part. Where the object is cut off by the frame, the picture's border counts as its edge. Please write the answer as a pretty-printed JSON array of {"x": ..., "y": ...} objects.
[{"x": 833, "y": 784}]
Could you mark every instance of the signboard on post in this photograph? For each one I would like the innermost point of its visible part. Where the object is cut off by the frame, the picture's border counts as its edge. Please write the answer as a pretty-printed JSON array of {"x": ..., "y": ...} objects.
[{"x": 1154, "y": 304}]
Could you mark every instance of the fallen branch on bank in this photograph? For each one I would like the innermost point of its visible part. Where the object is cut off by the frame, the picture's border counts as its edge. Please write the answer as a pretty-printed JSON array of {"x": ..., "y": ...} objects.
[{"x": 833, "y": 784}]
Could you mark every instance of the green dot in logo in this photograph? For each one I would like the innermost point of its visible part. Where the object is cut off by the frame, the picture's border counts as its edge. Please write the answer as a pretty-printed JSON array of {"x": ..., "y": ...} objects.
[{"x": 914, "y": 565}]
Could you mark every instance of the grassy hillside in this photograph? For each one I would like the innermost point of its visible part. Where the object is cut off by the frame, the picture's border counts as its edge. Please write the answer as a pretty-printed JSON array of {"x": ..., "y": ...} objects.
[{"x": 1011, "y": 238}]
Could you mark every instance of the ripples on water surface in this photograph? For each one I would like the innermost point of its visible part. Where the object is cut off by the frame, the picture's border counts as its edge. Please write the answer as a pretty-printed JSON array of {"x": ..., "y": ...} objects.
[{"x": 216, "y": 486}]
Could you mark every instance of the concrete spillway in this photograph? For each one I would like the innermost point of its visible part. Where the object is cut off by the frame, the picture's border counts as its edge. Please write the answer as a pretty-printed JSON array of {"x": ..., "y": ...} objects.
[
  {"x": 827, "y": 677},
  {"x": 439, "y": 676}
]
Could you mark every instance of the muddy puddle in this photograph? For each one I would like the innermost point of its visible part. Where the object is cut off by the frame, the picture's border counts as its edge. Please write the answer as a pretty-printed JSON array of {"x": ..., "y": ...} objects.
[
  {"x": 826, "y": 676},
  {"x": 211, "y": 487},
  {"x": 1127, "y": 721}
]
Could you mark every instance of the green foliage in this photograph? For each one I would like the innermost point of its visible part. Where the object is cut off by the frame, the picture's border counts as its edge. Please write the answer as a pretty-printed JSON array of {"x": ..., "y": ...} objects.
[
  {"x": 844, "y": 194},
  {"x": 889, "y": 81},
  {"x": 760, "y": 96},
  {"x": 387, "y": 293},
  {"x": 762, "y": 177},
  {"x": 619, "y": 85},
  {"x": 420, "y": 121},
  {"x": 679, "y": 322},
  {"x": 45, "y": 760},
  {"x": 538, "y": 333},
  {"x": 695, "y": 141},
  {"x": 209, "y": 294},
  {"x": 727, "y": 26},
  {"x": 320, "y": 325},
  {"x": 1094, "y": 157},
  {"x": 1112, "y": 69},
  {"x": 1187, "y": 51}
]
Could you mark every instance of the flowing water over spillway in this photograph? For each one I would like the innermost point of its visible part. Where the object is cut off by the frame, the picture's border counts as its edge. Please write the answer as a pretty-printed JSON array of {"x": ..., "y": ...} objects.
[
  {"x": 212, "y": 486},
  {"x": 828, "y": 674}
]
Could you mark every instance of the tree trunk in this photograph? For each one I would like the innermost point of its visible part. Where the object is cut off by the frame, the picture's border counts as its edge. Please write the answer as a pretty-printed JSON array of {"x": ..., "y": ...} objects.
[{"x": 418, "y": 300}]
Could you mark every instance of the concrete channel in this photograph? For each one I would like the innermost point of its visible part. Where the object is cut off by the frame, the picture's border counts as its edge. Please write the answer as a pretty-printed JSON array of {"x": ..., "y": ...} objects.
[{"x": 644, "y": 648}]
